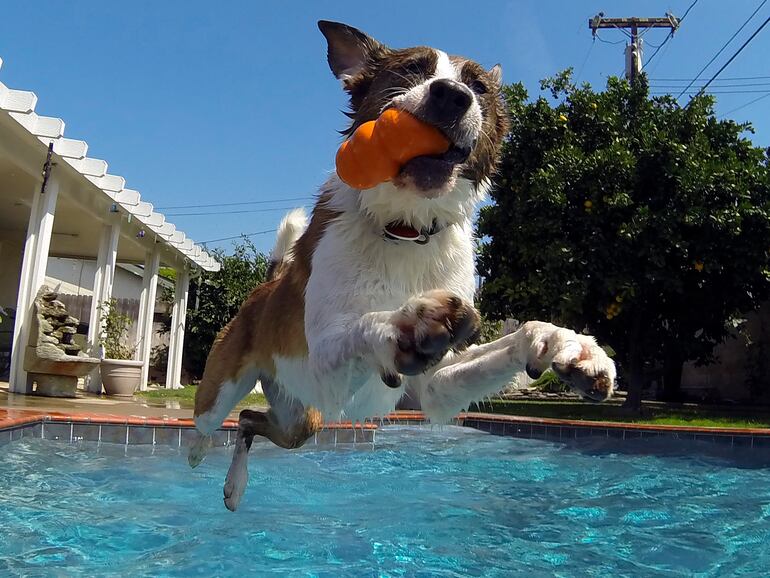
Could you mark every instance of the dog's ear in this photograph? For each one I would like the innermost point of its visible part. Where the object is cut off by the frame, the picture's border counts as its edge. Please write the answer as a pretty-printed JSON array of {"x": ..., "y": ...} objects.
[
  {"x": 349, "y": 48},
  {"x": 496, "y": 74}
]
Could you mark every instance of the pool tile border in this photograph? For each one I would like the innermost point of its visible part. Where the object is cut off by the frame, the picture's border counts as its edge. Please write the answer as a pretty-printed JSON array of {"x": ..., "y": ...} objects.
[
  {"x": 174, "y": 432},
  {"x": 140, "y": 430}
]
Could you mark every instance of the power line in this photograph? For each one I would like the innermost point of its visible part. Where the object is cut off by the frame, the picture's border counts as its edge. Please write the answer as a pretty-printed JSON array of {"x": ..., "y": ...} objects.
[
  {"x": 609, "y": 41},
  {"x": 244, "y": 211},
  {"x": 665, "y": 46},
  {"x": 686, "y": 12},
  {"x": 718, "y": 92},
  {"x": 305, "y": 198},
  {"x": 742, "y": 85},
  {"x": 725, "y": 46},
  {"x": 734, "y": 56},
  {"x": 657, "y": 49},
  {"x": 736, "y": 109},
  {"x": 723, "y": 79},
  {"x": 670, "y": 35},
  {"x": 239, "y": 236},
  {"x": 582, "y": 66}
]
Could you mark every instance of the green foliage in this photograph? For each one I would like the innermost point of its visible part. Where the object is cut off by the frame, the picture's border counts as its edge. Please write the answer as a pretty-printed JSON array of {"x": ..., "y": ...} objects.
[
  {"x": 642, "y": 221},
  {"x": 215, "y": 298},
  {"x": 167, "y": 273},
  {"x": 490, "y": 330},
  {"x": 692, "y": 416},
  {"x": 186, "y": 396},
  {"x": 114, "y": 335},
  {"x": 549, "y": 382}
]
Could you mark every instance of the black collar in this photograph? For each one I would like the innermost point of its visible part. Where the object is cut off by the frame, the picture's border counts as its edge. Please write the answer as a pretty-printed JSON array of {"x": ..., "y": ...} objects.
[{"x": 400, "y": 231}]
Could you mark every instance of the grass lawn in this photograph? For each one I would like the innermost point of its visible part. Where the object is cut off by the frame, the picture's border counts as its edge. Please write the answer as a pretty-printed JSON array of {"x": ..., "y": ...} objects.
[
  {"x": 689, "y": 415},
  {"x": 187, "y": 394},
  {"x": 701, "y": 416}
]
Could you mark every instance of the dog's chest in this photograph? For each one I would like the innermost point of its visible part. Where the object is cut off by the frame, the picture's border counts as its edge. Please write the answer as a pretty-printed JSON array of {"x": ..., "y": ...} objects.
[{"x": 357, "y": 270}]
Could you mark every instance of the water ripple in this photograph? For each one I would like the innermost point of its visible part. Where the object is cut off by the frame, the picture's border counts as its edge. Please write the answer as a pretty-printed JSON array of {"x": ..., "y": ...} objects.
[{"x": 424, "y": 502}]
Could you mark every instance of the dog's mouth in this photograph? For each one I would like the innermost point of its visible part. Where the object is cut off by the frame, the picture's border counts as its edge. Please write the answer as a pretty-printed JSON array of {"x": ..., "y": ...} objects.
[{"x": 434, "y": 172}]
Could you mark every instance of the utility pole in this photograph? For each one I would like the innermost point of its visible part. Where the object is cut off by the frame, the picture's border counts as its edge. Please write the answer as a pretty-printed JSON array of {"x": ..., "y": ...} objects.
[{"x": 633, "y": 50}]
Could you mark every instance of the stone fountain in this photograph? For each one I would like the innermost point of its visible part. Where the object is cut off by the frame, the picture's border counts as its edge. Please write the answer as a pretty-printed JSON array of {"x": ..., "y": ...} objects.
[{"x": 52, "y": 359}]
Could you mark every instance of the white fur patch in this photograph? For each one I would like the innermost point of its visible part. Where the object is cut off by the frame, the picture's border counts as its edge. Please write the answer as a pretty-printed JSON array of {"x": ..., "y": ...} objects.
[
  {"x": 291, "y": 228},
  {"x": 414, "y": 99},
  {"x": 444, "y": 67},
  {"x": 230, "y": 393}
]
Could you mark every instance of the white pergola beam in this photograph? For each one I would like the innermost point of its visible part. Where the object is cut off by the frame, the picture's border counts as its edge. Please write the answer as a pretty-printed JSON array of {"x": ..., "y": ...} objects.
[
  {"x": 22, "y": 101},
  {"x": 166, "y": 229},
  {"x": 178, "y": 319},
  {"x": 36, "y": 247},
  {"x": 111, "y": 183},
  {"x": 142, "y": 210},
  {"x": 154, "y": 220},
  {"x": 88, "y": 167},
  {"x": 147, "y": 311},
  {"x": 41, "y": 126},
  {"x": 103, "y": 279},
  {"x": 127, "y": 197},
  {"x": 67, "y": 147}
]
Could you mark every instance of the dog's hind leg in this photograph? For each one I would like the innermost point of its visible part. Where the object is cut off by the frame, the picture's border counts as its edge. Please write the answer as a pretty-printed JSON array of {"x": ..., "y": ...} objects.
[
  {"x": 250, "y": 423},
  {"x": 287, "y": 424}
]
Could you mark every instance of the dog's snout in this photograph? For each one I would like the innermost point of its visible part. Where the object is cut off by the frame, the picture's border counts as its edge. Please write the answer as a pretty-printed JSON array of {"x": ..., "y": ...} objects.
[{"x": 448, "y": 99}]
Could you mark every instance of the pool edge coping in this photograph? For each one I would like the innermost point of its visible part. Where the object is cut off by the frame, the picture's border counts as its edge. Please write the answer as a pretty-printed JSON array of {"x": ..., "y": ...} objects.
[{"x": 33, "y": 417}]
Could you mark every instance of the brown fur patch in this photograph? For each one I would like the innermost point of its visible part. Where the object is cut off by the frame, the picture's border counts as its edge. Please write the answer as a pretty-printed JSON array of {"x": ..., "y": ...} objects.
[
  {"x": 271, "y": 322},
  {"x": 390, "y": 71},
  {"x": 484, "y": 157},
  {"x": 387, "y": 73}
]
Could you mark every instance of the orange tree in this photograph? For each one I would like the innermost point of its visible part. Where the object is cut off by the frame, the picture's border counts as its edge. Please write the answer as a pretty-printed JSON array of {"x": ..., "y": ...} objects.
[{"x": 641, "y": 221}]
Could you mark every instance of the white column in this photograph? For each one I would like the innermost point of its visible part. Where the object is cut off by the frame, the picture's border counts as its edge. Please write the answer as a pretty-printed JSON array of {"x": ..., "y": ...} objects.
[
  {"x": 178, "y": 317},
  {"x": 147, "y": 311},
  {"x": 103, "y": 277},
  {"x": 33, "y": 266}
]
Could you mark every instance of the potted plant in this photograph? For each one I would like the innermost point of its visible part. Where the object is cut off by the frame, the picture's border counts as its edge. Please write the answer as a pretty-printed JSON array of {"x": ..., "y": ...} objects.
[{"x": 121, "y": 373}]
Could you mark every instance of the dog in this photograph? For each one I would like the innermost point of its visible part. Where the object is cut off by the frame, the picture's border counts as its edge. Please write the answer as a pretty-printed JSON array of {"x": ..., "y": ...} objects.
[{"x": 374, "y": 293}]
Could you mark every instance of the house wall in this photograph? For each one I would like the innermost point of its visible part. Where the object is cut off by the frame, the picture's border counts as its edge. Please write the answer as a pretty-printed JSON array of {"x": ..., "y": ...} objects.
[{"x": 77, "y": 278}]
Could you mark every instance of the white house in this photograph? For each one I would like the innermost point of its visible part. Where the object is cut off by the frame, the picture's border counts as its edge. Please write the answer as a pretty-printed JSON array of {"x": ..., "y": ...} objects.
[
  {"x": 55, "y": 201},
  {"x": 74, "y": 280}
]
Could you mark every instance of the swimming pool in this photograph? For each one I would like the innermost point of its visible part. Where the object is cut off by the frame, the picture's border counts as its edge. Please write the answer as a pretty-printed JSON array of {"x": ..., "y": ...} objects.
[{"x": 443, "y": 502}]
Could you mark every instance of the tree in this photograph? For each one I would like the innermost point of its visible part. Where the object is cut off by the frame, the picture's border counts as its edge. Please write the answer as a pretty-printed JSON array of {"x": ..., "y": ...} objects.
[
  {"x": 215, "y": 298},
  {"x": 642, "y": 221}
]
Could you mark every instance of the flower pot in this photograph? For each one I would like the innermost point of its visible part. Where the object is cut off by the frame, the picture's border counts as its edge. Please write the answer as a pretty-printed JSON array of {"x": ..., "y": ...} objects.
[{"x": 121, "y": 377}]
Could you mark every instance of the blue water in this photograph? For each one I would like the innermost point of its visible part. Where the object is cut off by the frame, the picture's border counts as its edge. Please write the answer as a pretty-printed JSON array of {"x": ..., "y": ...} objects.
[{"x": 449, "y": 502}]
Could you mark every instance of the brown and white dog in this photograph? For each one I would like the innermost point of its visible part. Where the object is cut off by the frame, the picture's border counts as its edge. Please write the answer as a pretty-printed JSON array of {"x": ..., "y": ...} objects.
[{"x": 375, "y": 293}]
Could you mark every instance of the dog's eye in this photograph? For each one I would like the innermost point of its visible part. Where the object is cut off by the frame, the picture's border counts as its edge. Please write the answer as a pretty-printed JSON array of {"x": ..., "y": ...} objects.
[
  {"x": 478, "y": 87},
  {"x": 413, "y": 67}
]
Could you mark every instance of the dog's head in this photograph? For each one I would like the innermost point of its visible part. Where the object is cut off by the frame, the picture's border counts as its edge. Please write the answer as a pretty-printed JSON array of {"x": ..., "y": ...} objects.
[{"x": 456, "y": 95}]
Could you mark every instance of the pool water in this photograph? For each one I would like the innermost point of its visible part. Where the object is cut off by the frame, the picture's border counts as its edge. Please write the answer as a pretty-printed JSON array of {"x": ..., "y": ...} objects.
[{"x": 423, "y": 502}]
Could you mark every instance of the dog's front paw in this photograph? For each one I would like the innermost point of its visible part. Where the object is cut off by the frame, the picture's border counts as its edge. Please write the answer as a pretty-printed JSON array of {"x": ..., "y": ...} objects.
[
  {"x": 198, "y": 449},
  {"x": 427, "y": 327},
  {"x": 575, "y": 359}
]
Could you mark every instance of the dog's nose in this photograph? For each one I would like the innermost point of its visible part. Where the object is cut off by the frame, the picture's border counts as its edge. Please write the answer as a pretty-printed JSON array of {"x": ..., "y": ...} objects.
[{"x": 448, "y": 99}]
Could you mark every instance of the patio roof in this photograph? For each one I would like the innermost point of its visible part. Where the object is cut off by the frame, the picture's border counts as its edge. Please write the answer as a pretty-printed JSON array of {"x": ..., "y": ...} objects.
[{"x": 94, "y": 192}]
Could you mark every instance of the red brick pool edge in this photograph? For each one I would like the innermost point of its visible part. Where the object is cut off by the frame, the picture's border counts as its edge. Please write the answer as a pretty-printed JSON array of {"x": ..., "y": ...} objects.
[{"x": 103, "y": 427}]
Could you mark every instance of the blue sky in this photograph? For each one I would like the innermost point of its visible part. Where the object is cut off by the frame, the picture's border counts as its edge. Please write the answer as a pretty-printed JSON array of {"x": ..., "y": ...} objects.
[{"x": 221, "y": 102}]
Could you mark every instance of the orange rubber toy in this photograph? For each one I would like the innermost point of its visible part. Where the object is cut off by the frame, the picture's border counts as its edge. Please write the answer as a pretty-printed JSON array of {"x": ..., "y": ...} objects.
[{"x": 379, "y": 148}]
